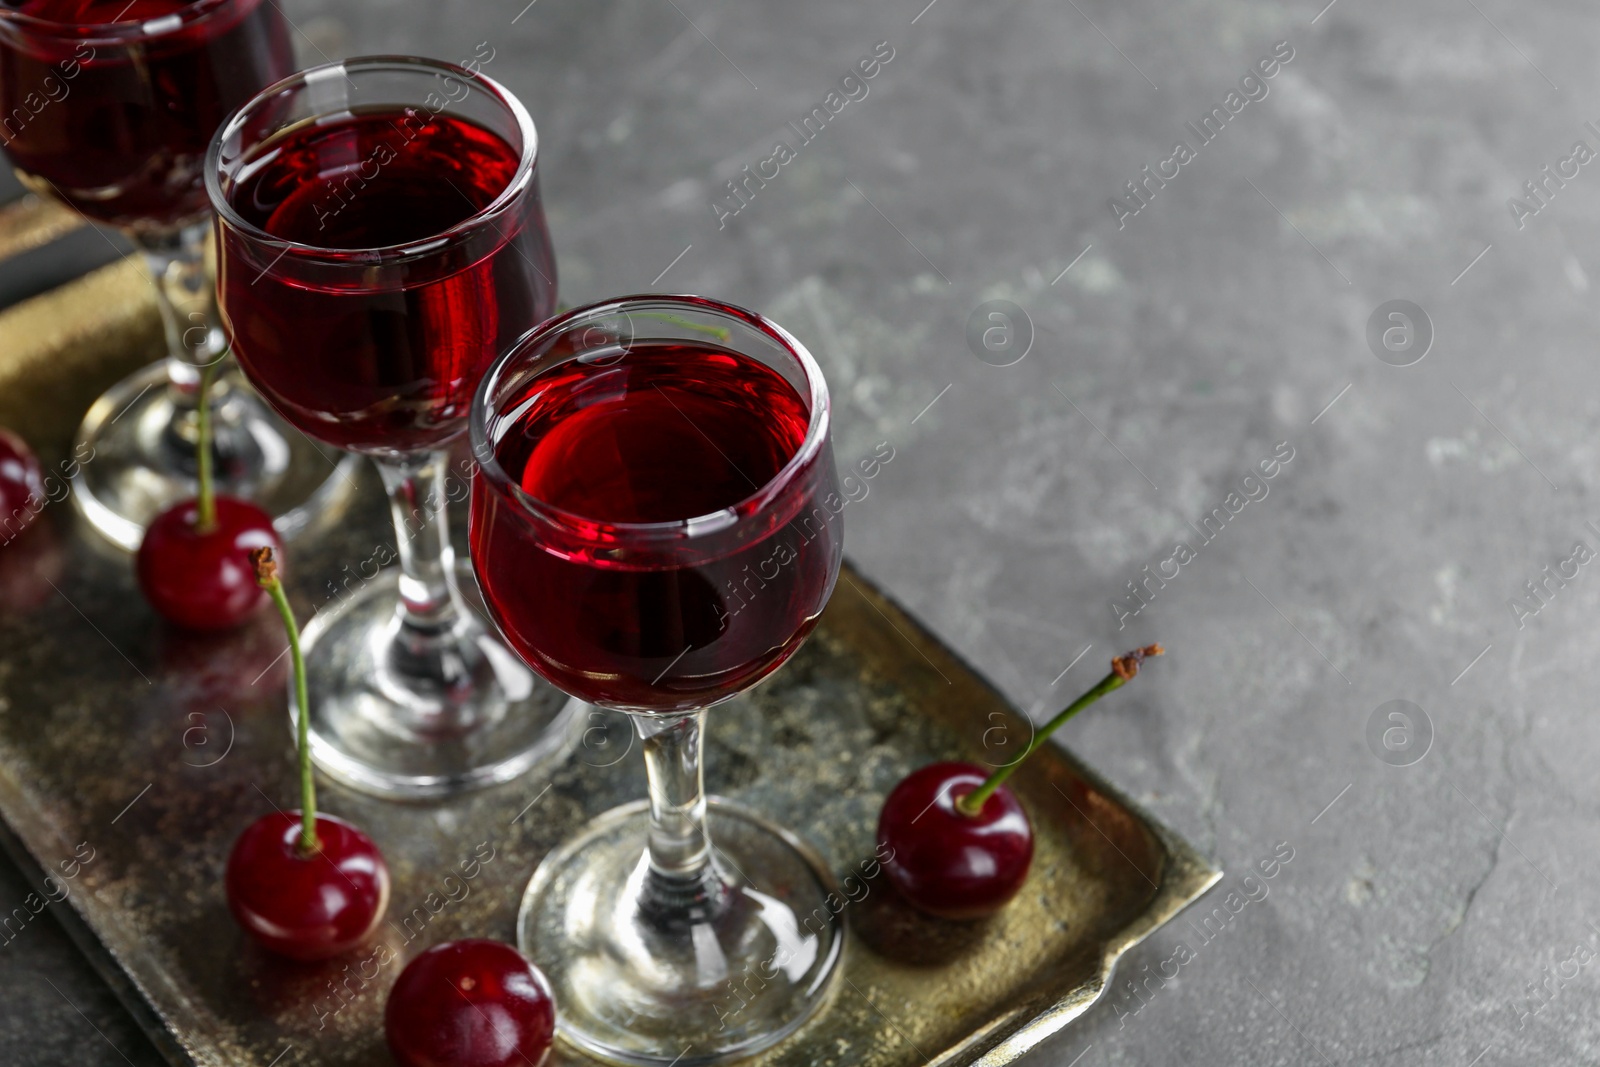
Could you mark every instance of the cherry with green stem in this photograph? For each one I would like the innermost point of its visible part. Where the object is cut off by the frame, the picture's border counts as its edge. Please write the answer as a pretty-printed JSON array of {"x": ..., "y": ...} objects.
[
  {"x": 959, "y": 842},
  {"x": 302, "y": 884},
  {"x": 193, "y": 564}
]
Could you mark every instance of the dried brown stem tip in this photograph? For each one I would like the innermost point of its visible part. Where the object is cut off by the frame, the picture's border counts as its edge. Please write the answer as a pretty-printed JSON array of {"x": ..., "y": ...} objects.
[
  {"x": 1127, "y": 665},
  {"x": 266, "y": 567}
]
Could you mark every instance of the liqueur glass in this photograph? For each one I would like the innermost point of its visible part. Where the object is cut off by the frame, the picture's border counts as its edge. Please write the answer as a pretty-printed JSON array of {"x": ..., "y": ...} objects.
[
  {"x": 654, "y": 525},
  {"x": 380, "y": 240},
  {"x": 107, "y": 106}
]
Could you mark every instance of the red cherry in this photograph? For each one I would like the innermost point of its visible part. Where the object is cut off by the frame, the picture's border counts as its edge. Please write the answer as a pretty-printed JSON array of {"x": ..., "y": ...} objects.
[
  {"x": 472, "y": 1003},
  {"x": 306, "y": 907},
  {"x": 948, "y": 863},
  {"x": 204, "y": 581},
  {"x": 21, "y": 486},
  {"x": 31, "y": 566}
]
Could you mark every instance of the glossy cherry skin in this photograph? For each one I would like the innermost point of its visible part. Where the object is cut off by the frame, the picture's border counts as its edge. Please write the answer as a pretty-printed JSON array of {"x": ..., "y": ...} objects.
[
  {"x": 21, "y": 486},
  {"x": 204, "y": 581},
  {"x": 471, "y": 1003},
  {"x": 946, "y": 863},
  {"x": 306, "y": 907}
]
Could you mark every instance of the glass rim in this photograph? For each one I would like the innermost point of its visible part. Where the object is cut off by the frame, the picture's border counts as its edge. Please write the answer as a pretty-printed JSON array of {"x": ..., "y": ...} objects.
[
  {"x": 743, "y": 510},
  {"x": 122, "y": 32},
  {"x": 377, "y": 254}
]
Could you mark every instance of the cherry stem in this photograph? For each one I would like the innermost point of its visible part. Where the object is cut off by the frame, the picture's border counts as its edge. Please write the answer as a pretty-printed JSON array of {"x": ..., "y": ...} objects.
[
  {"x": 206, "y": 501},
  {"x": 719, "y": 332},
  {"x": 267, "y": 578},
  {"x": 1123, "y": 668}
]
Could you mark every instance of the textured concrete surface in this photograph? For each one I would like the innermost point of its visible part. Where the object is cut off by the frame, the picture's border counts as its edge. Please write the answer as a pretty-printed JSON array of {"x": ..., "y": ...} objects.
[{"x": 1437, "y": 908}]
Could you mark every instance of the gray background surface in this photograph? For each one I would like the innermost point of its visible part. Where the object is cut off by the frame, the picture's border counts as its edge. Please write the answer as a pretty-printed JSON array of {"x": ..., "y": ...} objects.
[{"x": 1423, "y": 902}]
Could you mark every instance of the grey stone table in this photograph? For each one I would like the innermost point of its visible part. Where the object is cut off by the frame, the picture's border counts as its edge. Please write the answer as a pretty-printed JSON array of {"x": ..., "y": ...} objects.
[{"x": 1438, "y": 907}]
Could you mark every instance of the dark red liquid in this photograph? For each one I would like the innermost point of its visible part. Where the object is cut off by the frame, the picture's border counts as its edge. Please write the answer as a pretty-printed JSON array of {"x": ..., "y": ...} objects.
[
  {"x": 381, "y": 358},
  {"x": 665, "y": 433},
  {"x": 119, "y": 128}
]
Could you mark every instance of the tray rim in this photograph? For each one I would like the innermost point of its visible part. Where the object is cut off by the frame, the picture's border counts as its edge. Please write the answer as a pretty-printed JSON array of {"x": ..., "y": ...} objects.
[{"x": 98, "y": 955}]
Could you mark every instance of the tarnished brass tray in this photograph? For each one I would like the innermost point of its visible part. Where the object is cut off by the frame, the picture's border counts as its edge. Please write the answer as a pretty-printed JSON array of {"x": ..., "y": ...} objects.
[{"x": 131, "y": 755}]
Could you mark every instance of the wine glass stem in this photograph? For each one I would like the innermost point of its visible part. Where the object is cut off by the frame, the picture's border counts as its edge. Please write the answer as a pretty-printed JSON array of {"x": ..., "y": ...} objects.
[
  {"x": 683, "y": 886},
  {"x": 429, "y": 603},
  {"x": 188, "y": 303}
]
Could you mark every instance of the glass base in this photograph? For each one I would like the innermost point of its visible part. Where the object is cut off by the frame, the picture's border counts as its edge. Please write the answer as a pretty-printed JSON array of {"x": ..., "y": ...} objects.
[
  {"x": 136, "y": 447},
  {"x": 634, "y": 991},
  {"x": 403, "y": 717}
]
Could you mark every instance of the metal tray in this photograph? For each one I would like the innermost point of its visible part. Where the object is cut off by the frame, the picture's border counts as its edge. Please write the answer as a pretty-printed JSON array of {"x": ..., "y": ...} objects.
[{"x": 150, "y": 749}]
